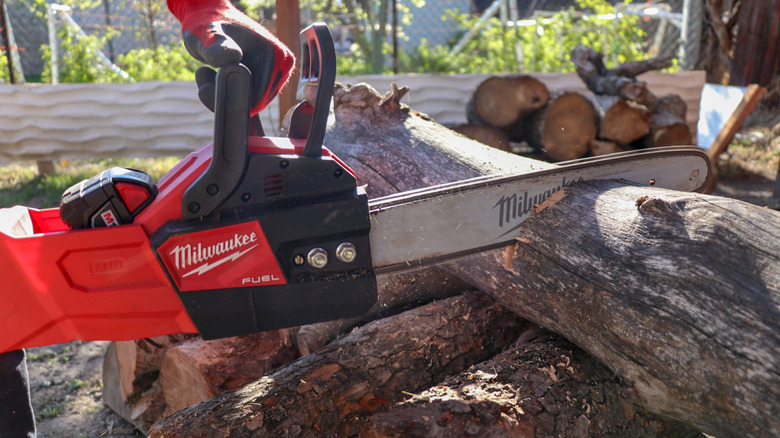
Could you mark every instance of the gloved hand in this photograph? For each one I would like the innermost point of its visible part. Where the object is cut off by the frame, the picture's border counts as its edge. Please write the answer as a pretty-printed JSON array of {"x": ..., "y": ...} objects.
[{"x": 216, "y": 33}]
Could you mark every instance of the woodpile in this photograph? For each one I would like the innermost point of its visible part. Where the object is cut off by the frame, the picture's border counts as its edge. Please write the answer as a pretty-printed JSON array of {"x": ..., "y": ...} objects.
[
  {"x": 671, "y": 335},
  {"x": 621, "y": 114}
]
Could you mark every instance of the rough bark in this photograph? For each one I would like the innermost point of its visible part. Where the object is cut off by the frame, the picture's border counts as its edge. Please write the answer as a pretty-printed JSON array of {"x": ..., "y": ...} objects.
[
  {"x": 757, "y": 43},
  {"x": 564, "y": 127},
  {"x": 396, "y": 292},
  {"x": 331, "y": 392},
  {"x": 679, "y": 294},
  {"x": 542, "y": 386},
  {"x": 500, "y": 101}
]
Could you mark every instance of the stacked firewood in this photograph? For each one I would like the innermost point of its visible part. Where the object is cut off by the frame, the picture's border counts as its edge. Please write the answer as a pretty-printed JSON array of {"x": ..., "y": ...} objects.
[
  {"x": 670, "y": 335},
  {"x": 621, "y": 114}
]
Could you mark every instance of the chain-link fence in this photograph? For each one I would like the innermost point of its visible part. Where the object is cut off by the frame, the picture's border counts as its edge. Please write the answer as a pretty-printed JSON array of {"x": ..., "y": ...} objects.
[{"x": 125, "y": 24}]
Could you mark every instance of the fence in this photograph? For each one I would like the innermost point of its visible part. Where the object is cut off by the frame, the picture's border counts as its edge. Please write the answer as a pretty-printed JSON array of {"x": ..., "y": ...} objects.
[{"x": 71, "y": 121}]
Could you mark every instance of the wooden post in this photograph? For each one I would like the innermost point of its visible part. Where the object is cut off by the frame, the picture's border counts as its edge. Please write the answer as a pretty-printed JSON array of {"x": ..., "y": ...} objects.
[{"x": 288, "y": 26}]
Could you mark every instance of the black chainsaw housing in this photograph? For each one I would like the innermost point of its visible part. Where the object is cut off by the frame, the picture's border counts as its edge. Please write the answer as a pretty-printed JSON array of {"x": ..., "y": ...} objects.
[{"x": 304, "y": 203}]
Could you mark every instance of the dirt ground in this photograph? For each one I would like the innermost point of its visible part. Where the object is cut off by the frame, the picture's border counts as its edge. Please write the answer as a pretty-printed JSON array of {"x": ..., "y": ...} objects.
[{"x": 66, "y": 379}]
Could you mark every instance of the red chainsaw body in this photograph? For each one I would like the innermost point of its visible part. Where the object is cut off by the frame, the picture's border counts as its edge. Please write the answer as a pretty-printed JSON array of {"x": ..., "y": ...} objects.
[{"x": 106, "y": 283}]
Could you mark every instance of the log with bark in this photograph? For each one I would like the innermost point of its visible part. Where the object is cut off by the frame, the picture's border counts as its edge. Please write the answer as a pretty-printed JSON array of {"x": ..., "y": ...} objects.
[
  {"x": 622, "y": 121},
  {"x": 647, "y": 328},
  {"x": 677, "y": 293},
  {"x": 667, "y": 124},
  {"x": 693, "y": 334},
  {"x": 332, "y": 391},
  {"x": 541, "y": 386}
]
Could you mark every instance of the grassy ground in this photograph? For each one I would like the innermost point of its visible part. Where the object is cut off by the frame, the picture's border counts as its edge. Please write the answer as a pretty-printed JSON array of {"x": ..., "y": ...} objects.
[{"x": 20, "y": 183}]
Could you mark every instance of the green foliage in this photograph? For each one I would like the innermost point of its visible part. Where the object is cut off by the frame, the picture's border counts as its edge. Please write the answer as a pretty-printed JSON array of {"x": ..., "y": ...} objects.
[
  {"x": 79, "y": 61},
  {"x": 543, "y": 46},
  {"x": 4, "y": 77},
  {"x": 165, "y": 63},
  {"x": 20, "y": 184}
]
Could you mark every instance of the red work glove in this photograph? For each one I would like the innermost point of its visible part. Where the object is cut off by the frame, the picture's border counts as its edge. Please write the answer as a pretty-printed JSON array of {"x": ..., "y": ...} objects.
[{"x": 216, "y": 33}]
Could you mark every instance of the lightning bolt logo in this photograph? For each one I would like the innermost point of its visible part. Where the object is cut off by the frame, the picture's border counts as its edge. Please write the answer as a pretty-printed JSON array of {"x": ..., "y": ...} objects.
[{"x": 200, "y": 270}]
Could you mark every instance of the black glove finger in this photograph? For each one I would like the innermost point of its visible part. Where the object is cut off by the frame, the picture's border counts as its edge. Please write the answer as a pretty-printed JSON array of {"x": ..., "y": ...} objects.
[
  {"x": 258, "y": 57},
  {"x": 224, "y": 50},
  {"x": 193, "y": 45},
  {"x": 205, "y": 78}
]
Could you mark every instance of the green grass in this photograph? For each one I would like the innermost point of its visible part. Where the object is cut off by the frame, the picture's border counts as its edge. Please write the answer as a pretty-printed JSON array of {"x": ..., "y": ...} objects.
[{"x": 20, "y": 183}]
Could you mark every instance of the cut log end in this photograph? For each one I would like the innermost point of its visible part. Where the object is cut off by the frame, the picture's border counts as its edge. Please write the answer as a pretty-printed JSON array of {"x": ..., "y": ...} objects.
[{"x": 500, "y": 101}]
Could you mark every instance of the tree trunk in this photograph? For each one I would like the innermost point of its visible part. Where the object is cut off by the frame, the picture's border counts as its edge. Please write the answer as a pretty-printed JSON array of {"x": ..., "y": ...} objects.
[
  {"x": 564, "y": 127},
  {"x": 500, "y": 101},
  {"x": 331, "y": 392},
  {"x": 679, "y": 294},
  {"x": 541, "y": 386}
]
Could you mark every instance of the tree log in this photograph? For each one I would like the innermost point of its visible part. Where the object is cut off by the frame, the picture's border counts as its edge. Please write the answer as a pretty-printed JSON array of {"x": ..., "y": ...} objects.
[
  {"x": 332, "y": 391},
  {"x": 710, "y": 331},
  {"x": 500, "y": 101},
  {"x": 541, "y": 386},
  {"x": 679, "y": 294},
  {"x": 564, "y": 127},
  {"x": 197, "y": 370}
]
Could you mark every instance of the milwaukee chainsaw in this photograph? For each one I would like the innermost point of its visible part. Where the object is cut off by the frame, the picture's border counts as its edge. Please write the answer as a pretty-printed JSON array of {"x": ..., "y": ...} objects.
[{"x": 252, "y": 233}]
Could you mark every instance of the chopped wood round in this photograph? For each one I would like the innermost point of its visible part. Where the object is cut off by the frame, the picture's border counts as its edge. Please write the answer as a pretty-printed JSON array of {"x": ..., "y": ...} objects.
[
  {"x": 501, "y": 100},
  {"x": 564, "y": 127},
  {"x": 623, "y": 121}
]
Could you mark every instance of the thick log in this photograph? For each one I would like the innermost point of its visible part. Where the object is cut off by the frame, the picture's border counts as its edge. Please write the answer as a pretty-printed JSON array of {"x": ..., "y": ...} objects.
[
  {"x": 332, "y": 391},
  {"x": 485, "y": 134},
  {"x": 701, "y": 315},
  {"x": 679, "y": 294},
  {"x": 622, "y": 121},
  {"x": 564, "y": 127},
  {"x": 500, "y": 101},
  {"x": 541, "y": 386},
  {"x": 197, "y": 370},
  {"x": 396, "y": 292}
]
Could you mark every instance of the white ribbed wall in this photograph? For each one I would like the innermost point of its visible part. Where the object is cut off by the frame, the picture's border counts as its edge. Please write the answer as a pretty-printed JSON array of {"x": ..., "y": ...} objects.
[{"x": 165, "y": 118}]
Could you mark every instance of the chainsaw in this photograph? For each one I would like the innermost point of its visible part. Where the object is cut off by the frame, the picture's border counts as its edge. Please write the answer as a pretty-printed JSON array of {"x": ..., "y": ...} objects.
[{"x": 252, "y": 233}]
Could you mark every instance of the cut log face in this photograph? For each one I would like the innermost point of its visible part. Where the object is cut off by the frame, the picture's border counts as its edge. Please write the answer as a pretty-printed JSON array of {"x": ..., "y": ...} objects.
[
  {"x": 564, "y": 128},
  {"x": 197, "y": 370},
  {"x": 500, "y": 101}
]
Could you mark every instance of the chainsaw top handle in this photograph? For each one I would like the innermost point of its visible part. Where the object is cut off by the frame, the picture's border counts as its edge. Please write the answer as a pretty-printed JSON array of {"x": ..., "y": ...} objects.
[{"x": 232, "y": 119}]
